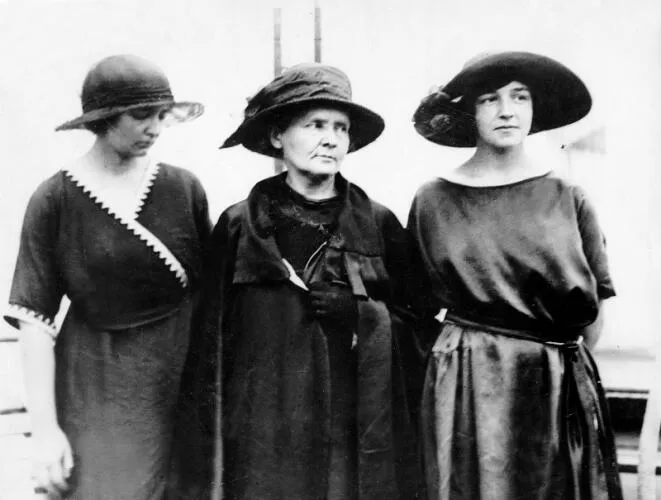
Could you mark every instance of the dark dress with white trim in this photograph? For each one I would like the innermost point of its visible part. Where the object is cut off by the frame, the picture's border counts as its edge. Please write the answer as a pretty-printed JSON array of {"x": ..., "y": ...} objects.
[
  {"x": 121, "y": 348},
  {"x": 512, "y": 404}
]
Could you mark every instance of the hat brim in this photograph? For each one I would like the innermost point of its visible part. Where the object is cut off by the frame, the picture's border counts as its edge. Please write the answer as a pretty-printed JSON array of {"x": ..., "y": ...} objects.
[
  {"x": 559, "y": 96},
  {"x": 181, "y": 112},
  {"x": 366, "y": 125}
]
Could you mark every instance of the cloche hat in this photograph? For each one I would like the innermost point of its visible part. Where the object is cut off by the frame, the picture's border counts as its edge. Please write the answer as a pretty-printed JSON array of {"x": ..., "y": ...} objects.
[
  {"x": 446, "y": 116},
  {"x": 301, "y": 85},
  {"x": 120, "y": 83}
]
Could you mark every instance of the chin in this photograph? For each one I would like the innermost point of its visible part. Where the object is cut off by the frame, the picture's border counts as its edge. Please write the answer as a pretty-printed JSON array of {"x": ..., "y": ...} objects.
[{"x": 324, "y": 171}]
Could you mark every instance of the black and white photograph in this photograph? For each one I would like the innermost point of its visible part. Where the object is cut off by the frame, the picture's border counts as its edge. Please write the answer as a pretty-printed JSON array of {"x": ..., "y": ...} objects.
[{"x": 330, "y": 250}]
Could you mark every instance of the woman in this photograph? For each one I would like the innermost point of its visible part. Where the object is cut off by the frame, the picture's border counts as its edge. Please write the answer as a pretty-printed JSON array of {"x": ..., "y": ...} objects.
[
  {"x": 512, "y": 403},
  {"x": 307, "y": 302},
  {"x": 121, "y": 237}
]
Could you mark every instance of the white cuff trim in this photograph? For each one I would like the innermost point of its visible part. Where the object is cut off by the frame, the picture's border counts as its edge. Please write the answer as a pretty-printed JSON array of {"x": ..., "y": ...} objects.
[{"x": 32, "y": 317}]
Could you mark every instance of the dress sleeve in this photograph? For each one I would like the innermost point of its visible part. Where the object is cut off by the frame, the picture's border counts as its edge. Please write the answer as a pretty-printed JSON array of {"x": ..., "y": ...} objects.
[
  {"x": 37, "y": 287},
  {"x": 594, "y": 244},
  {"x": 201, "y": 214}
]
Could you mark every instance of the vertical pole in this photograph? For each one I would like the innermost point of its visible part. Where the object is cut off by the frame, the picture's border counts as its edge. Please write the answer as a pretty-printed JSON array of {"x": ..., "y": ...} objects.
[
  {"x": 277, "y": 46},
  {"x": 317, "y": 32},
  {"x": 277, "y": 63}
]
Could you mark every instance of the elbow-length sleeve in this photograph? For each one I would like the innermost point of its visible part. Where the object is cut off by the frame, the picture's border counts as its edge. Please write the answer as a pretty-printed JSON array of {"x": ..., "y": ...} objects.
[
  {"x": 37, "y": 286},
  {"x": 594, "y": 244}
]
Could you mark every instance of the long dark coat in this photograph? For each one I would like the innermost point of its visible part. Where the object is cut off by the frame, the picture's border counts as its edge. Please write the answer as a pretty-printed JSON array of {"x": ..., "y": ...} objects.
[{"x": 270, "y": 423}]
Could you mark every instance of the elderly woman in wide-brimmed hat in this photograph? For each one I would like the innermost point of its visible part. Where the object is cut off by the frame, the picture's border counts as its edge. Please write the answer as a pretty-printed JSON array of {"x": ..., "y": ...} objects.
[
  {"x": 515, "y": 270},
  {"x": 307, "y": 300},
  {"x": 120, "y": 235}
]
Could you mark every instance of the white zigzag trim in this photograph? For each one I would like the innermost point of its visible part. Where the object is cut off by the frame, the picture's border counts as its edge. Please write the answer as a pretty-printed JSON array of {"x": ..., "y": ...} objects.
[
  {"x": 145, "y": 188},
  {"x": 34, "y": 318},
  {"x": 140, "y": 231}
]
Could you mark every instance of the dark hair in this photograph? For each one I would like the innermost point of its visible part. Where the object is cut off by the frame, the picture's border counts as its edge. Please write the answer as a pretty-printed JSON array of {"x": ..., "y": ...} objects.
[{"x": 100, "y": 127}]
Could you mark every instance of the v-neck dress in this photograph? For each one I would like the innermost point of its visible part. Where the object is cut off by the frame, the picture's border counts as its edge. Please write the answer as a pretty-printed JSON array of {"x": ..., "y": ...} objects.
[
  {"x": 512, "y": 404},
  {"x": 130, "y": 276}
]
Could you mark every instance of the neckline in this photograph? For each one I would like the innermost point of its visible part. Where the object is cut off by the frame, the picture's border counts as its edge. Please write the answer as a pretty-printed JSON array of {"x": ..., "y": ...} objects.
[
  {"x": 131, "y": 212},
  {"x": 498, "y": 186}
]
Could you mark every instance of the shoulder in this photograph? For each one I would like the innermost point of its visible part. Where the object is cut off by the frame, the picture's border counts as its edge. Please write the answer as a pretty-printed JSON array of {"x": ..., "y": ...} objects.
[
  {"x": 384, "y": 216},
  {"x": 182, "y": 179},
  {"x": 49, "y": 191},
  {"x": 566, "y": 187},
  {"x": 180, "y": 175},
  {"x": 232, "y": 217},
  {"x": 431, "y": 188}
]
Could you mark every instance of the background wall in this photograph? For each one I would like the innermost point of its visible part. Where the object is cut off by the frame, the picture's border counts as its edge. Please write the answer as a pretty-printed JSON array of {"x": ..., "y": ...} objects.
[{"x": 221, "y": 51}]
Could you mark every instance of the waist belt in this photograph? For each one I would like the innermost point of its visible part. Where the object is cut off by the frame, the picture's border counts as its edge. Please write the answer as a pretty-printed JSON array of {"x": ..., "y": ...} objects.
[{"x": 534, "y": 335}]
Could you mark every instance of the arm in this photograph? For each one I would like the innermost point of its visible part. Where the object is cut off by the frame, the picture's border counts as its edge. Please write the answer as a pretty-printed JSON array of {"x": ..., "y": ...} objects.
[
  {"x": 53, "y": 459},
  {"x": 591, "y": 333},
  {"x": 34, "y": 301},
  {"x": 594, "y": 248}
]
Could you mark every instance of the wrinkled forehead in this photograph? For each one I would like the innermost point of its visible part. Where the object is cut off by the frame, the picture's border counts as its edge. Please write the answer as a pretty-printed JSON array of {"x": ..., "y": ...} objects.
[{"x": 327, "y": 112}]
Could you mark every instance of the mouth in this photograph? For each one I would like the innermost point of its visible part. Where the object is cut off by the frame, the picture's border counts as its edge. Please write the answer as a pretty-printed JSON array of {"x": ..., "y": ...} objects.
[
  {"x": 144, "y": 144},
  {"x": 325, "y": 157},
  {"x": 507, "y": 127}
]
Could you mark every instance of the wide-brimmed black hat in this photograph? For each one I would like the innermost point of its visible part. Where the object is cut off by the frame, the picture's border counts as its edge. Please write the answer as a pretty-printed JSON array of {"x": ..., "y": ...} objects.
[
  {"x": 123, "y": 82},
  {"x": 299, "y": 86},
  {"x": 447, "y": 115}
]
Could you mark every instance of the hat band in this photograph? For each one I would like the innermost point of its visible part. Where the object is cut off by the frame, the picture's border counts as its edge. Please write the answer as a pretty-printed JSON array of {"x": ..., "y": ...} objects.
[
  {"x": 320, "y": 91},
  {"x": 127, "y": 97}
]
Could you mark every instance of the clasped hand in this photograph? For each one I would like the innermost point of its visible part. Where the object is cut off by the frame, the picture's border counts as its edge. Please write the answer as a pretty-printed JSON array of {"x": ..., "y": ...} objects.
[{"x": 332, "y": 302}]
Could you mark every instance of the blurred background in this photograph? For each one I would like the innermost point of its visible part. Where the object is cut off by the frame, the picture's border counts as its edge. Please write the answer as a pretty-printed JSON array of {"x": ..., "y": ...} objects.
[{"x": 220, "y": 52}]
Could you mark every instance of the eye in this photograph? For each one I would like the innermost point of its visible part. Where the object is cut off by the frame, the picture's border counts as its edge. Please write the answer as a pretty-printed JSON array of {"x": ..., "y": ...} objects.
[
  {"x": 140, "y": 113},
  {"x": 165, "y": 114},
  {"x": 487, "y": 99},
  {"x": 522, "y": 97}
]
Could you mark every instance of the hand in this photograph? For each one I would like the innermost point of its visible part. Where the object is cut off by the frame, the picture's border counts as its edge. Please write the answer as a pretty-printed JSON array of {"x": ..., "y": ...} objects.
[
  {"x": 332, "y": 302},
  {"x": 52, "y": 460}
]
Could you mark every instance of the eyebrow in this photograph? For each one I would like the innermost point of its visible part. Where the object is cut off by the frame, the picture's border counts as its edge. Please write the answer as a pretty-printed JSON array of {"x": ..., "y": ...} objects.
[{"x": 334, "y": 122}]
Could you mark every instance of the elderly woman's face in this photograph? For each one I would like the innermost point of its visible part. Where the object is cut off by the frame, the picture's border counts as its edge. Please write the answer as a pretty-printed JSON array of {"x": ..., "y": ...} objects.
[
  {"x": 504, "y": 117},
  {"x": 316, "y": 142}
]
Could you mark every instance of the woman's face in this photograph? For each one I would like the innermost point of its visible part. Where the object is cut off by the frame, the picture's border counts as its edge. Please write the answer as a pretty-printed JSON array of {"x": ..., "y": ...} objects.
[
  {"x": 136, "y": 130},
  {"x": 315, "y": 142},
  {"x": 504, "y": 117}
]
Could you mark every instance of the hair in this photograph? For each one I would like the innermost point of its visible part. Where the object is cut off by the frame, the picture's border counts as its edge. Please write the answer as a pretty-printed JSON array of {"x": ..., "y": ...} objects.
[
  {"x": 490, "y": 85},
  {"x": 101, "y": 127}
]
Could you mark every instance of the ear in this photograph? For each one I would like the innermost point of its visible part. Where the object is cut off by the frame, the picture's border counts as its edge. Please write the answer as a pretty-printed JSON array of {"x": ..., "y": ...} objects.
[{"x": 275, "y": 138}]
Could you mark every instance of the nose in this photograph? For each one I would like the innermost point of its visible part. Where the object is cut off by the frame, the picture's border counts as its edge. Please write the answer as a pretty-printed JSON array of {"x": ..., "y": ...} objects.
[
  {"x": 506, "y": 109},
  {"x": 154, "y": 126},
  {"x": 329, "y": 137}
]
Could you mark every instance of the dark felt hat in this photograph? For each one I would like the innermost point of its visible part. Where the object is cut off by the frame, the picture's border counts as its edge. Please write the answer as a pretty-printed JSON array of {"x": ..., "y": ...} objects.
[
  {"x": 303, "y": 85},
  {"x": 447, "y": 115},
  {"x": 123, "y": 82}
]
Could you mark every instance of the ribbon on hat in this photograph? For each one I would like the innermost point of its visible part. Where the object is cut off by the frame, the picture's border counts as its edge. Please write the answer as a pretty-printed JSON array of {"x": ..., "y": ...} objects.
[
  {"x": 439, "y": 113},
  {"x": 127, "y": 96}
]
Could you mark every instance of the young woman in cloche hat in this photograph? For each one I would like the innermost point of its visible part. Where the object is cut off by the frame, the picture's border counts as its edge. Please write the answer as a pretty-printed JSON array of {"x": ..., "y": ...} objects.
[
  {"x": 120, "y": 235},
  {"x": 307, "y": 300},
  {"x": 513, "y": 268}
]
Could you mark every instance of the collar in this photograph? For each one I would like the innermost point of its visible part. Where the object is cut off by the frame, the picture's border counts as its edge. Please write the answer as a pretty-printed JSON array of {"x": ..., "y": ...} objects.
[{"x": 258, "y": 255}]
